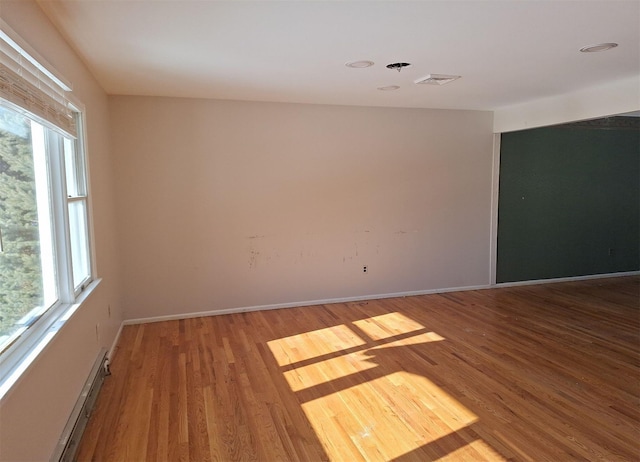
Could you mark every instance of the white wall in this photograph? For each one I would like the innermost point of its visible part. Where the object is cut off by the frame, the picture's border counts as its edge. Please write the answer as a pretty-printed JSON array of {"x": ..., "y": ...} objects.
[
  {"x": 617, "y": 97},
  {"x": 227, "y": 204},
  {"x": 34, "y": 412}
]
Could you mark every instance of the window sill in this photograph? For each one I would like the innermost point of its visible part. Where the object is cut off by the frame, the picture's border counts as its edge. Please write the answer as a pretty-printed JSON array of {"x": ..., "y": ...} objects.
[{"x": 19, "y": 357}]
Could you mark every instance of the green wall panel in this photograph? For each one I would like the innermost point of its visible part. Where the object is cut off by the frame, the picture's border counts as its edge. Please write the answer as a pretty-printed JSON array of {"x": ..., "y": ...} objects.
[{"x": 569, "y": 201}]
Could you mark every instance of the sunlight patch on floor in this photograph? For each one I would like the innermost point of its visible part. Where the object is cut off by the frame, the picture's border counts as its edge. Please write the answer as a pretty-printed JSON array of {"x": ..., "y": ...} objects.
[
  {"x": 383, "y": 425},
  {"x": 360, "y": 400},
  {"x": 328, "y": 370},
  {"x": 387, "y": 325},
  {"x": 471, "y": 452},
  {"x": 309, "y": 345}
]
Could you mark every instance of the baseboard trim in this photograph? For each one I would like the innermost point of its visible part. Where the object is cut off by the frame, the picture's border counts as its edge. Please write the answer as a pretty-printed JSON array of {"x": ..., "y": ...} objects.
[
  {"x": 278, "y": 306},
  {"x": 114, "y": 344},
  {"x": 567, "y": 279}
]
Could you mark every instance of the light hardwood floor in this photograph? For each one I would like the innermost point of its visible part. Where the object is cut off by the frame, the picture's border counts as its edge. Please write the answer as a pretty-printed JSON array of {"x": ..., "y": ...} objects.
[{"x": 535, "y": 373}]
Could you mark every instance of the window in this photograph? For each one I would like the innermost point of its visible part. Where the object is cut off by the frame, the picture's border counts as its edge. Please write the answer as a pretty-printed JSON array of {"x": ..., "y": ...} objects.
[
  {"x": 76, "y": 195},
  {"x": 45, "y": 256}
]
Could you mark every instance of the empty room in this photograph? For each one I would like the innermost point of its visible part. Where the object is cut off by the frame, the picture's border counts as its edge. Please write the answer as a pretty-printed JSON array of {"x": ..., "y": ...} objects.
[{"x": 319, "y": 230}]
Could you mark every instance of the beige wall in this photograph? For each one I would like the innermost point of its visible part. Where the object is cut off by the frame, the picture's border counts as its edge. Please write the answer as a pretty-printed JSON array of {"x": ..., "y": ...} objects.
[
  {"x": 34, "y": 412},
  {"x": 227, "y": 204}
]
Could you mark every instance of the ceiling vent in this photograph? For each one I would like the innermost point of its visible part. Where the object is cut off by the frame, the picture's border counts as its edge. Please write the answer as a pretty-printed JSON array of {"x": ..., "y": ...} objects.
[{"x": 437, "y": 79}]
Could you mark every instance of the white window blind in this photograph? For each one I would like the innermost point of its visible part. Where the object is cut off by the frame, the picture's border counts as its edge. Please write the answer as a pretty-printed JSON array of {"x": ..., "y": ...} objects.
[{"x": 29, "y": 85}]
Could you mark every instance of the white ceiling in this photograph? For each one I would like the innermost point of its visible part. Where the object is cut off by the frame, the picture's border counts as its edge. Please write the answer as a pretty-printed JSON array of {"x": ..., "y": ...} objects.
[{"x": 508, "y": 52}]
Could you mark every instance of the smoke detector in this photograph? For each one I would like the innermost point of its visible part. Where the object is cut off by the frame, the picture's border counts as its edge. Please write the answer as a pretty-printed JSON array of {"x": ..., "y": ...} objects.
[{"x": 437, "y": 79}]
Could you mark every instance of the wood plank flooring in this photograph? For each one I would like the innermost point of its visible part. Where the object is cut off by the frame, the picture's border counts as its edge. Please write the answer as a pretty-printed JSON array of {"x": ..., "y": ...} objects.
[{"x": 531, "y": 373}]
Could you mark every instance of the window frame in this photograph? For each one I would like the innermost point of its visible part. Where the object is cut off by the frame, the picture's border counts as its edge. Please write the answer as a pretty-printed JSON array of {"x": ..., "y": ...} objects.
[{"x": 81, "y": 167}]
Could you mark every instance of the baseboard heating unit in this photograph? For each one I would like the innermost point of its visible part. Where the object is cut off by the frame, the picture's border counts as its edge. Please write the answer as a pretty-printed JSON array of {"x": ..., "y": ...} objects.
[{"x": 70, "y": 439}]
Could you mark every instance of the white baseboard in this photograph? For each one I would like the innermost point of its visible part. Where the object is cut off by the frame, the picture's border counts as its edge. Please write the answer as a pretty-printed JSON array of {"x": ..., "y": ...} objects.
[
  {"x": 277, "y": 306},
  {"x": 114, "y": 344},
  {"x": 568, "y": 279}
]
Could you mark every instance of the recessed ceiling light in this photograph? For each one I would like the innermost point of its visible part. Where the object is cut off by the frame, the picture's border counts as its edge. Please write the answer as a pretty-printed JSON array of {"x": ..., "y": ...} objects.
[
  {"x": 389, "y": 88},
  {"x": 598, "y": 47},
  {"x": 437, "y": 79},
  {"x": 359, "y": 64}
]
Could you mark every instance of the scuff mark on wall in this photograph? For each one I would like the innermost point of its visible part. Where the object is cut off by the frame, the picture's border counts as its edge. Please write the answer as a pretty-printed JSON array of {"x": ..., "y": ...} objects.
[
  {"x": 261, "y": 252},
  {"x": 253, "y": 257},
  {"x": 402, "y": 231}
]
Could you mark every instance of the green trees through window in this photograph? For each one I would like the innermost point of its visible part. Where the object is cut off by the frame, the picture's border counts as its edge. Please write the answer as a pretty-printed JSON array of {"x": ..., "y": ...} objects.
[{"x": 21, "y": 276}]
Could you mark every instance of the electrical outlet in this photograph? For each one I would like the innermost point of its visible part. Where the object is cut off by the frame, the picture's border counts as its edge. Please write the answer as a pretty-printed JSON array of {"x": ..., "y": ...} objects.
[{"x": 364, "y": 269}]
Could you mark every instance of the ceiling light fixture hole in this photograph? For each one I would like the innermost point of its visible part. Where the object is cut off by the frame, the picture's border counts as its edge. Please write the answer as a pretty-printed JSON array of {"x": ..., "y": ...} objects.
[{"x": 397, "y": 66}]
